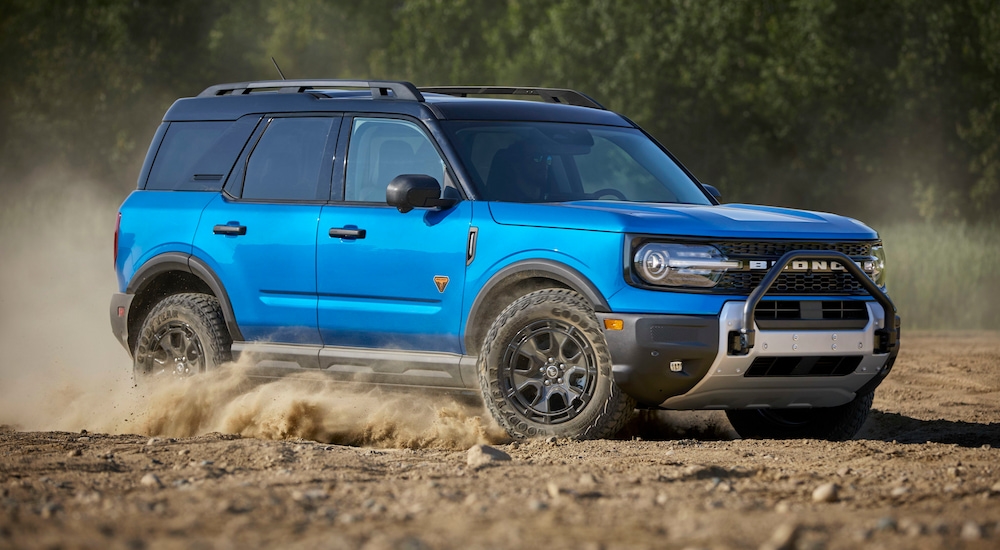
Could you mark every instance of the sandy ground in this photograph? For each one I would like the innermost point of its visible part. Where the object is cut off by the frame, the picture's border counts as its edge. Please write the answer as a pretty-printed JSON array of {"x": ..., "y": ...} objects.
[{"x": 924, "y": 473}]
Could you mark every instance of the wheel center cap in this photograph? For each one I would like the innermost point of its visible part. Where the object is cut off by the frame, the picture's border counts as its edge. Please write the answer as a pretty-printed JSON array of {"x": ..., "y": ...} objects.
[{"x": 552, "y": 371}]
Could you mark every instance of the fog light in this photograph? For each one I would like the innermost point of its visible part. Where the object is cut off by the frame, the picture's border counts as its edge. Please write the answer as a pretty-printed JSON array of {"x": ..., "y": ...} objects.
[{"x": 614, "y": 324}]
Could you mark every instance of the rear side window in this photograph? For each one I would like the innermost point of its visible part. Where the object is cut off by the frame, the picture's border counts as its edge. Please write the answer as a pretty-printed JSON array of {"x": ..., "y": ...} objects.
[
  {"x": 197, "y": 156},
  {"x": 288, "y": 160}
]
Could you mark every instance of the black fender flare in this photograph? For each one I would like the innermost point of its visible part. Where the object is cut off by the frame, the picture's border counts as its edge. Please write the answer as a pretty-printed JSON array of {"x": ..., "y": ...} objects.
[
  {"x": 168, "y": 261},
  {"x": 177, "y": 261},
  {"x": 526, "y": 269}
]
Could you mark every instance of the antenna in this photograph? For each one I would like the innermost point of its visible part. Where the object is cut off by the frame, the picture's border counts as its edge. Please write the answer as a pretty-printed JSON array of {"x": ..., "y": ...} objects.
[{"x": 281, "y": 74}]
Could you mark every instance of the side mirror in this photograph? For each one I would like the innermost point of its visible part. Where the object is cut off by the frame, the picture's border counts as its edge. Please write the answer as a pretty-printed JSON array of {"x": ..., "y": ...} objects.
[
  {"x": 409, "y": 191},
  {"x": 713, "y": 191}
]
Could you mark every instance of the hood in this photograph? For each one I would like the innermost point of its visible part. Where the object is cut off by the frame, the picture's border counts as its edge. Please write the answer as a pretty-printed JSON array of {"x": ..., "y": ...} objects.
[{"x": 689, "y": 220}]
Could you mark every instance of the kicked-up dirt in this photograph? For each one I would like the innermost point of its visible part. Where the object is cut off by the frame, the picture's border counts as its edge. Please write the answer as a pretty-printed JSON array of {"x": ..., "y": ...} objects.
[{"x": 328, "y": 472}]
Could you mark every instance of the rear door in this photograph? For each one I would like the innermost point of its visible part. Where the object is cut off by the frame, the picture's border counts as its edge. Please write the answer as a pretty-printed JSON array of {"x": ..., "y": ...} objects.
[
  {"x": 389, "y": 280},
  {"x": 260, "y": 236}
]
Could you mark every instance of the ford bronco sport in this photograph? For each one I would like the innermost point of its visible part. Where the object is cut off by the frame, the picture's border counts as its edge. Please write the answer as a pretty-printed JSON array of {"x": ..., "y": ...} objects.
[{"x": 549, "y": 254}]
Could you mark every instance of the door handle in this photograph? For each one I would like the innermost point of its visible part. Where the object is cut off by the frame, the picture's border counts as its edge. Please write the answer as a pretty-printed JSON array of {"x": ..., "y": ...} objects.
[
  {"x": 347, "y": 233},
  {"x": 230, "y": 230}
]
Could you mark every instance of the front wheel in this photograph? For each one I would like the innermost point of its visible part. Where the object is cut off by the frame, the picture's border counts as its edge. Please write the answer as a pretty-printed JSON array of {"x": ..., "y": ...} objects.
[
  {"x": 833, "y": 423},
  {"x": 184, "y": 334},
  {"x": 545, "y": 369}
]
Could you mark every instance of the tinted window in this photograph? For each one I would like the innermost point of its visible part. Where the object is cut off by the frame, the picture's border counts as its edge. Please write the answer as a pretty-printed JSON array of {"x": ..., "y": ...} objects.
[
  {"x": 382, "y": 149},
  {"x": 611, "y": 166},
  {"x": 287, "y": 162},
  {"x": 197, "y": 156},
  {"x": 554, "y": 162}
]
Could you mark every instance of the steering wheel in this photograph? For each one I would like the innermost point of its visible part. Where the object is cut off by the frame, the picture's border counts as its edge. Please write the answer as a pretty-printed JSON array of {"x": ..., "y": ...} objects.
[{"x": 607, "y": 191}]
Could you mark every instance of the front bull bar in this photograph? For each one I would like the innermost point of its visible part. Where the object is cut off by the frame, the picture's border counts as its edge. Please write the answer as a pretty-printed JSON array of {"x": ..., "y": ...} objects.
[{"x": 887, "y": 339}]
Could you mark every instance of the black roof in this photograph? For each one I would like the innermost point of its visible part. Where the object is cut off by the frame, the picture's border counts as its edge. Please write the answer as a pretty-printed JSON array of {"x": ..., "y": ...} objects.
[{"x": 231, "y": 101}]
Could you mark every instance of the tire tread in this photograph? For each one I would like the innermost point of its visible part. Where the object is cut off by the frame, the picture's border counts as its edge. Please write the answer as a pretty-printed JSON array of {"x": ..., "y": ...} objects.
[
  {"x": 206, "y": 310},
  {"x": 617, "y": 408}
]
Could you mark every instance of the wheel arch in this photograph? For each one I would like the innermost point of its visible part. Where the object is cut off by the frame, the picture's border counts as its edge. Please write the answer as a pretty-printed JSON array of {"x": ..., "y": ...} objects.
[
  {"x": 172, "y": 273},
  {"x": 516, "y": 280}
]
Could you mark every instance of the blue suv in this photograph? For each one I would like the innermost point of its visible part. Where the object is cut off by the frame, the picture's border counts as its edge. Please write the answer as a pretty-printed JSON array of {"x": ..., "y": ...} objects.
[{"x": 549, "y": 254}]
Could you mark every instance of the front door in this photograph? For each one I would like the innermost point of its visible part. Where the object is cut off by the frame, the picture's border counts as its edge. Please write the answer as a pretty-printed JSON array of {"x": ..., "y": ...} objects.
[{"x": 389, "y": 280}]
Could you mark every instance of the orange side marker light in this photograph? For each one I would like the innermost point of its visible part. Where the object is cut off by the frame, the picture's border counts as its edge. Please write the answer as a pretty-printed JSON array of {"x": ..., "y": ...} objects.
[{"x": 614, "y": 324}]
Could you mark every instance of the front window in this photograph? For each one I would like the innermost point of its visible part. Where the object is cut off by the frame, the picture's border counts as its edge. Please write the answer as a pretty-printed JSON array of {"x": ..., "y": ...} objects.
[
  {"x": 383, "y": 148},
  {"x": 556, "y": 162}
]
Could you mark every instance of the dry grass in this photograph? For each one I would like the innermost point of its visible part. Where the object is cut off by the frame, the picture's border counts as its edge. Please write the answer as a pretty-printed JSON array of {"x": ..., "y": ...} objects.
[{"x": 944, "y": 275}]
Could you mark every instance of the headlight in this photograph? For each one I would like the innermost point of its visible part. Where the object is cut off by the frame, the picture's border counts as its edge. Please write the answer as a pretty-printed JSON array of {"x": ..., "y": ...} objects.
[
  {"x": 663, "y": 264},
  {"x": 878, "y": 265}
]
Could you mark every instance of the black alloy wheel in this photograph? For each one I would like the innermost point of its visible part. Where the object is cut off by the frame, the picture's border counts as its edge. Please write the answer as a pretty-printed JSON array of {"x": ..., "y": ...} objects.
[
  {"x": 545, "y": 370},
  {"x": 183, "y": 335}
]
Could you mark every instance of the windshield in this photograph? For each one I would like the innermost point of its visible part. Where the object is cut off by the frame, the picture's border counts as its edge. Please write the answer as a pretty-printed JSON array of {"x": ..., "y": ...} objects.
[{"x": 556, "y": 162}]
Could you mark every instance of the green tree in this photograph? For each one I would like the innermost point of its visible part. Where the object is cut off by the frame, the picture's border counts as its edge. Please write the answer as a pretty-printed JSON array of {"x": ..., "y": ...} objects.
[{"x": 875, "y": 109}]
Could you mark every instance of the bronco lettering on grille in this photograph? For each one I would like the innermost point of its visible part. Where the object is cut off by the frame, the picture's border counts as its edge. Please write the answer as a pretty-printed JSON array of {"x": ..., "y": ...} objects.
[{"x": 816, "y": 266}]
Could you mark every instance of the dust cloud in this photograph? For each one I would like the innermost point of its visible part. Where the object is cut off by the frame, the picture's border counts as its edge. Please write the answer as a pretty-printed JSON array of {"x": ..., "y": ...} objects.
[
  {"x": 311, "y": 407},
  {"x": 61, "y": 368}
]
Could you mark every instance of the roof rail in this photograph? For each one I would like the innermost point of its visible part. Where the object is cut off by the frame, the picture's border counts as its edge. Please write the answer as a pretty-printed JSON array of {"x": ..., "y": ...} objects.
[
  {"x": 380, "y": 88},
  {"x": 550, "y": 95}
]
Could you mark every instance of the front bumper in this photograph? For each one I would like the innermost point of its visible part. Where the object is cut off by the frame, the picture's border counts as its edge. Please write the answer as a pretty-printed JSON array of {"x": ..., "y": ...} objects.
[
  {"x": 706, "y": 376},
  {"x": 728, "y": 362},
  {"x": 646, "y": 347},
  {"x": 730, "y": 384}
]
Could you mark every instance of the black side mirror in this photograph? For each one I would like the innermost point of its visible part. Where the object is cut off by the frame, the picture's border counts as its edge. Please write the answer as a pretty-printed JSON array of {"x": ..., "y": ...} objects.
[
  {"x": 713, "y": 191},
  {"x": 409, "y": 191}
]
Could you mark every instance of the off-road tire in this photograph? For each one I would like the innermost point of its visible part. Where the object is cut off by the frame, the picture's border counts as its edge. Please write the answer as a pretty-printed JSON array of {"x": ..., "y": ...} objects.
[
  {"x": 551, "y": 315},
  {"x": 834, "y": 423},
  {"x": 191, "y": 323}
]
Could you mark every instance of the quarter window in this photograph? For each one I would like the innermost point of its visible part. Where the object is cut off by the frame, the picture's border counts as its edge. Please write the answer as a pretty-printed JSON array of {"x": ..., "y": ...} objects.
[{"x": 197, "y": 156}]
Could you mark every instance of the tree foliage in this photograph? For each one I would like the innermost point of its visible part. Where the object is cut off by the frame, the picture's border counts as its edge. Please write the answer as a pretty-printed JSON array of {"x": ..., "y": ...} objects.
[{"x": 882, "y": 110}]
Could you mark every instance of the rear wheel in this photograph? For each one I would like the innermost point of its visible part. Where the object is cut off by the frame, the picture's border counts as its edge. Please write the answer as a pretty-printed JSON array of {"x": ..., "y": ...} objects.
[
  {"x": 545, "y": 369},
  {"x": 833, "y": 423},
  {"x": 184, "y": 334}
]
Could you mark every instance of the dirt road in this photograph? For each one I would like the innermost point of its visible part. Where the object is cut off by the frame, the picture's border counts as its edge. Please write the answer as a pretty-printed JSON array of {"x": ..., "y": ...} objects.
[{"x": 924, "y": 473}]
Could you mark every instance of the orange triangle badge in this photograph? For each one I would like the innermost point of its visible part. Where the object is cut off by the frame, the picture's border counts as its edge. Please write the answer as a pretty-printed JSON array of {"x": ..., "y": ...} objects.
[{"x": 441, "y": 282}]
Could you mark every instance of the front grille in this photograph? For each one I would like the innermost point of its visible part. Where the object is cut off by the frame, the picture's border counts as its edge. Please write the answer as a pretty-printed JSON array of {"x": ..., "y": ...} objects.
[
  {"x": 798, "y": 282},
  {"x": 845, "y": 310},
  {"x": 773, "y": 310},
  {"x": 811, "y": 310},
  {"x": 792, "y": 283},
  {"x": 827, "y": 365},
  {"x": 811, "y": 314},
  {"x": 775, "y": 249}
]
